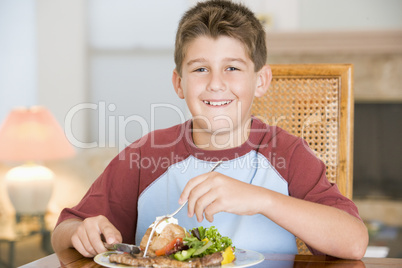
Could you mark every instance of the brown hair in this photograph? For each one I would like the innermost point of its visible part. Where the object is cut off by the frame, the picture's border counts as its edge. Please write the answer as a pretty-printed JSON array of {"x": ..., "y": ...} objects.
[{"x": 215, "y": 18}]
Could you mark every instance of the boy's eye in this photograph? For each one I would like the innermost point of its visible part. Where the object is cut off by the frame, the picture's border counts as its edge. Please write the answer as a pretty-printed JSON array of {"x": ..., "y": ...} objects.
[
  {"x": 232, "y": 69},
  {"x": 201, "y": 70}
]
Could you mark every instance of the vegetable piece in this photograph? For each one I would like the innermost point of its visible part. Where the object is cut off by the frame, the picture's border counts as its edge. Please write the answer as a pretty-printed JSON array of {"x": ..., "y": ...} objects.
[
  {"x": 193, "y": 242},
  {"x": 168, "y": 247},
  {"x": 195, "y": 232},
  {"x": 203, "y": 248},
  {"x": 184, "y": 254},
  {"x": 219, "y": 242},
  {"x": 202, "y": 232},
  {"x": 177, "y": 247},
  {"x": 228, "y": 255},
  {"x": 205, "y": 241}
]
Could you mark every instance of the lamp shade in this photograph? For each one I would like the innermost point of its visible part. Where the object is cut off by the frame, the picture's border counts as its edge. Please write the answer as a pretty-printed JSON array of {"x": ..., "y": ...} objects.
[{"x": 33, "y": 134}]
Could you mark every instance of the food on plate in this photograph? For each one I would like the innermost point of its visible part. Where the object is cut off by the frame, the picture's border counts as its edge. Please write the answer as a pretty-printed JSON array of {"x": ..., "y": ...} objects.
[
  {"x": 173, "y": 246},
  {"x": 167, "y": 234},
  {"x": 164, "y": 261}
]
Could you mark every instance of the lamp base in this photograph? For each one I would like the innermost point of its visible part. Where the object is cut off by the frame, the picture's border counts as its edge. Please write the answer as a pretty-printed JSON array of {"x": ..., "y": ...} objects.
[{"x": 29, "y": 188}]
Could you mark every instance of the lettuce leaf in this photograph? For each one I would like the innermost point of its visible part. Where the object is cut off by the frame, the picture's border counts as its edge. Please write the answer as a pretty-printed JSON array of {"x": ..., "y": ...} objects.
[{"x": 218, "y": 242}]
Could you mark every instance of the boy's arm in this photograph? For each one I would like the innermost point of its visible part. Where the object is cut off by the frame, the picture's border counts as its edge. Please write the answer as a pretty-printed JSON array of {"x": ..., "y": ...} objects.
[
  {"x": 61, "y": 236},
  {"x": 326, "y": 229},
  {"x": 85, "y": 236}
]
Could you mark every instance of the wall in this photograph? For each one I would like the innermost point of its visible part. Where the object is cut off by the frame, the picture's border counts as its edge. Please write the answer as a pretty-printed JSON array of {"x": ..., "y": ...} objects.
[
  {"x": 131, "y": 63},
  {"x": 62, "y": 64},
  {"x": 324, "y": 15},
  {"x": 18, "y": 59}
]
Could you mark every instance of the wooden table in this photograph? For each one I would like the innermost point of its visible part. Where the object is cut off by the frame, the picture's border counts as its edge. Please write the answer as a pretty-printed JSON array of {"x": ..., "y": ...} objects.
[{"x": 70, "y": 258}]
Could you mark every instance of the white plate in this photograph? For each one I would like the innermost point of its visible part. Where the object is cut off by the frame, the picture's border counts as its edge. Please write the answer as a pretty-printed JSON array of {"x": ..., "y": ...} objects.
[{"x": 244, "y": 258}]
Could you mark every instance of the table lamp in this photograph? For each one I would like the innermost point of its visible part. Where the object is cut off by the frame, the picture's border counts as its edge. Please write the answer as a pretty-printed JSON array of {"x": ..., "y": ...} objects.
[{"x": 30, "y": 136}]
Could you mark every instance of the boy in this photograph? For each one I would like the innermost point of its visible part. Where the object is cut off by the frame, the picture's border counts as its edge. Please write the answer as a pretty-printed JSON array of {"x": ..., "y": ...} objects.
[{"x": 220, "y": 58}]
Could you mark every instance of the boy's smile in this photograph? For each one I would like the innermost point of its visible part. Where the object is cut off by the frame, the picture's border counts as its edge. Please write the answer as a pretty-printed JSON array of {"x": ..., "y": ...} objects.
[
  {"x": 219, "y": 83},
  {"x": 217, "y": 103}
]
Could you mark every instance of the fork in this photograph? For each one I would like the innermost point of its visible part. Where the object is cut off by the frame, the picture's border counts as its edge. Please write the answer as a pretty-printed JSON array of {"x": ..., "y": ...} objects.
[
  {"x": 174, "y": 213},
  {"x": 160, "y": 218}
]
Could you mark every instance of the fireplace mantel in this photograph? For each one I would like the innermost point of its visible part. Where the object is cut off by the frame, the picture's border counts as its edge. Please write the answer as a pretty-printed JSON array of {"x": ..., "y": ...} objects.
[{"x": 376, "y": 56}]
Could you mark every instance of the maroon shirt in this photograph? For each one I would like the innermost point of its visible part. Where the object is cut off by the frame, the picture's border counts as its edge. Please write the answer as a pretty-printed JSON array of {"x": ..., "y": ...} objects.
[{"x": 115, "y": 194}]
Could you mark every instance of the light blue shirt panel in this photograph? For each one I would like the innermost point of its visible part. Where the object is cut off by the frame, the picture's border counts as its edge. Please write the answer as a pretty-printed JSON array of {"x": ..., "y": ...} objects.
[{"x": 254, "y": 232}]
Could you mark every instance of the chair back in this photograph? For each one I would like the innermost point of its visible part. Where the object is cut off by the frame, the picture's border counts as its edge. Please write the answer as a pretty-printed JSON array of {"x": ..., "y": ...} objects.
[{"x": 315, "y": 101}]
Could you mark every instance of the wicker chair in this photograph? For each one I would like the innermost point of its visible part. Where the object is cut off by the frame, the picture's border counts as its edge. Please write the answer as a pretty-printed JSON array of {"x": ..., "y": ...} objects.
[{"x": 315, "y": 101}]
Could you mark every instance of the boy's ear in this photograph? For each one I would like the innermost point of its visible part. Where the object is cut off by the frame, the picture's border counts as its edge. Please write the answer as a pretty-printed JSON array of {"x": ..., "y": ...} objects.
[
  {"x": 264, "y": 80},
  {"x": 176, "y": 80}
]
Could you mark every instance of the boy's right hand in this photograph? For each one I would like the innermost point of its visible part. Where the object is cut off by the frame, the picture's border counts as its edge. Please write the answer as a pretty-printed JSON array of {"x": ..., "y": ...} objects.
[
  {"x": 213, "y": 192},
  {"x": 87, "y": 237}
]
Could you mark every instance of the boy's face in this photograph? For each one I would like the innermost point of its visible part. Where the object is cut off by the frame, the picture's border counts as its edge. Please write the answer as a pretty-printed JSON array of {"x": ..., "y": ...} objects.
[{"x": 219, "y": 83}]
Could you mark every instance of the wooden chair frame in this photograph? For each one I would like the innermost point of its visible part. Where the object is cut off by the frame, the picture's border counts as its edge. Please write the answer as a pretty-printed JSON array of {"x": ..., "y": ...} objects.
[
  {"x": 291, "y": 85},
  {"x": 342, "y": 73}
]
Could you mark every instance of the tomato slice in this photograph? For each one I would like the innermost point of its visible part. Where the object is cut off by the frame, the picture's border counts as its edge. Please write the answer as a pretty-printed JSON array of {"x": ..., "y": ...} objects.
[{"x": 168, "y": 247}]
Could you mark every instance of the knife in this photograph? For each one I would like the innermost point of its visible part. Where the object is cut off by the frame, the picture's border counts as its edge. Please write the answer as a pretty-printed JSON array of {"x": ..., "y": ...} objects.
[{"x": 133, "y": 249}]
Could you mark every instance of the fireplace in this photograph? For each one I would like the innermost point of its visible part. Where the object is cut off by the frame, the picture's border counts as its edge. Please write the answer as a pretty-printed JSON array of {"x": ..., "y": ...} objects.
[{"x": 377, "y": 150}]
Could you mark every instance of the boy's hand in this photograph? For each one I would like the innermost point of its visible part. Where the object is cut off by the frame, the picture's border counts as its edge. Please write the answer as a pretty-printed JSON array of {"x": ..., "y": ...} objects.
[
  {"x": 87, "y": 237},
  {"x": 214, "y": 192}
]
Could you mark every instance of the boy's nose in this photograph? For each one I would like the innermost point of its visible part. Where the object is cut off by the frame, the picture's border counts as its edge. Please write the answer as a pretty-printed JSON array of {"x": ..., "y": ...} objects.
[{"x": 216, "y": 82}]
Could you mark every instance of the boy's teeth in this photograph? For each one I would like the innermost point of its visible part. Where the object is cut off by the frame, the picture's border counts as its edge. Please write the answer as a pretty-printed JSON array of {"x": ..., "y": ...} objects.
[{"x": 217, "y": 103}]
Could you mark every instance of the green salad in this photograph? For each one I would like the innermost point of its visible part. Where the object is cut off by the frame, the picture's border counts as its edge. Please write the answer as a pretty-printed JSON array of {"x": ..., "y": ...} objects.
[{"x": 203, "y": 241}]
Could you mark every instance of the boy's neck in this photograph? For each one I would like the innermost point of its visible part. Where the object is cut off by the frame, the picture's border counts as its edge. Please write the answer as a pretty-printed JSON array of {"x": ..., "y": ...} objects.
[{"x": 221, "y": 140}]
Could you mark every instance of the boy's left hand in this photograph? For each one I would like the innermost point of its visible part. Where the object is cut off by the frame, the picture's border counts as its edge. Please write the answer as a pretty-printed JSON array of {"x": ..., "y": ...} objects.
[{"x": 214, "y": 192}]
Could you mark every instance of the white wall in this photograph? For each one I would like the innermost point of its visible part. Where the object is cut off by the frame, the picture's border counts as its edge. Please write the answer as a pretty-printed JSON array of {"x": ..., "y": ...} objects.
[
  {"x": 62, "y": 60},
  {"x": 128, "y": 24},
  {"x": 43, "y": 57},
  {"x": 350, "y": 14},
  {"x": 18, "y": 59},
  {"x": 324, "y": 15},
  {"x": 131, "y": 47}
]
